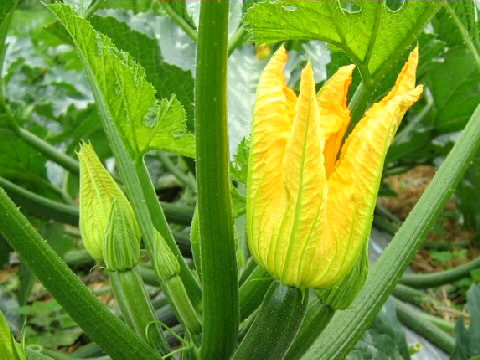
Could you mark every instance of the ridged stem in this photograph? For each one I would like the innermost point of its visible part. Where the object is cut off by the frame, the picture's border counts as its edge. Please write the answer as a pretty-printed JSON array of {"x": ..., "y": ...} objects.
[
  {"x": 347, "y": 326},
  {"x": 219, "y": 268},
  {"x": 414, "y": 320},
  {"x": 159, "y": 221},
  {"x": 41, "y": 206},
  {"x": 440, "y": 278},
  {"x": 136, "y": 308},
  {"x": 99, "y": 323}
]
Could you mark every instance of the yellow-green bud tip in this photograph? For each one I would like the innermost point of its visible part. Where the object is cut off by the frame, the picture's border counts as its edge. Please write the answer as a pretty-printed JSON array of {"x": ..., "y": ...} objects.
[
  {"x": 166, "y": 264},
  {"x": 121, "y": 247}
]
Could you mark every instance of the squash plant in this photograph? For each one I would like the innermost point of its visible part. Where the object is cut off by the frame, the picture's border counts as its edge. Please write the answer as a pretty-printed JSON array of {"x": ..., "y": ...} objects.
[{"x": 315, "y": 159}]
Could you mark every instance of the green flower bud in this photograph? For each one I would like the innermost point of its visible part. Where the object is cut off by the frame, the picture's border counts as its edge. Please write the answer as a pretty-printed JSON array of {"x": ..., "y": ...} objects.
[
  {"x": 97, "y": 192},
  {"x": 342, "y": 294},
  {"x": 121, "y": 247},
  {"x": 166, "y": 264}
]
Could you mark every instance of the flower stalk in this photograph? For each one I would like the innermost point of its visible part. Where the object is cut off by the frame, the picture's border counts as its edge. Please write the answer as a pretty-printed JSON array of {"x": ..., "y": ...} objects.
[{"x": 168, "y": 270}]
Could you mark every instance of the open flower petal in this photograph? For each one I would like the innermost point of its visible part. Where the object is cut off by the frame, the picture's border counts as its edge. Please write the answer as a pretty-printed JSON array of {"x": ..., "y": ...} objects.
[
  {"x": 272, "y": 123},
  {"x": 334, "y": 114},
  {"x": 353, "y": 186},
  {"x": 304, "y": 181}
]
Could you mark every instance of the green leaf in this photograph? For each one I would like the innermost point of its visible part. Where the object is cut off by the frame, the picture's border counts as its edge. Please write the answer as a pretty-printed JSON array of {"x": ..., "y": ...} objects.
[
  {"x": 454, "y": 81},
  {"x": 373, "y": 36},
  {"x": 127, "y": 96},
  {"x": 454, "y": 85},
  {"x": 457, "y": 24},
  {"x": 467, "y": 346},
  {"x": 6, "y": 9},
  {"x": 239, "y": 165},
  {"x": 384, "y": 340},
  {"x": 167, "y": 79},
  {"x": 20, "y": 163}
]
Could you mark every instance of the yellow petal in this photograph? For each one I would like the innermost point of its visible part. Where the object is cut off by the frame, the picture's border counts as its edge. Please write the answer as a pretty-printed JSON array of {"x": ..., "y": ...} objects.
[
  {"x": 334, "y": 114},
  {"x": 304, "y": 181},
  {"x": 272, "y": 123},
  {"x": 353, "y": 186}
]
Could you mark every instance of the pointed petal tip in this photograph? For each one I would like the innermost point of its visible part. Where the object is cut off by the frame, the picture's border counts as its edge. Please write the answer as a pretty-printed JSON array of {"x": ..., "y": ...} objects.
[
  {"x": 347, "y": 68},
  {"x": 281, "y": 54},
  {"x": 413, "y": 58}
]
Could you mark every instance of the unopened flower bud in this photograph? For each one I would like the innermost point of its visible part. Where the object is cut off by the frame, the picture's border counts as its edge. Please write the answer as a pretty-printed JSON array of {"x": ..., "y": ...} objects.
[
  {"x": 121, "y": 247},
  {"x": 166, "y": 264},
  {"x": 97, "y": 192}
]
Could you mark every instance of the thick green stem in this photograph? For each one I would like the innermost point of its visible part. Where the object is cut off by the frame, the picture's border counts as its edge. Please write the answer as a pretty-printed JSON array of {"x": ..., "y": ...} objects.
[
  {"x": 413, "y": 319},
  {"x": 50, "y": 151},
  {"x": 159, "y": 221},
  {"x": 136, "y": 308},
  {"x": 182, "y": 305},
  {"x": 440, "y": 278},
  {"x": 237, "y": 39},
  {"x": 414, "y": 296},
  {"x": 40, "y": 205},
  {"x": 316, "y": 318},
  {"x": 348, "y": 326},
  {"x": 445, "y": 325},
  {"x": 427, "y": 302},
  {"x": 219, "y": 267},
  {"x": 275, "y": 324},
  {"x": 99, "y": 323}
]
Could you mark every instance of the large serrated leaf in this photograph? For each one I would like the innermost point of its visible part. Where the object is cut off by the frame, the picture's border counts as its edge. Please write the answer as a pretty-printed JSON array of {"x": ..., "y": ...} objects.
[
  {"x": 166, "y": 78},
  {"x": 371, "y": 36},
  {"x": 123, "y": 93},
  {"x": 6, "y": 9}
]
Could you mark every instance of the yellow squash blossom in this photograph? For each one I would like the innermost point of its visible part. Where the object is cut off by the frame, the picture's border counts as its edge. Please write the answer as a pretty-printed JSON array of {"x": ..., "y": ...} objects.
[{"x": 310, "y": 209}]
